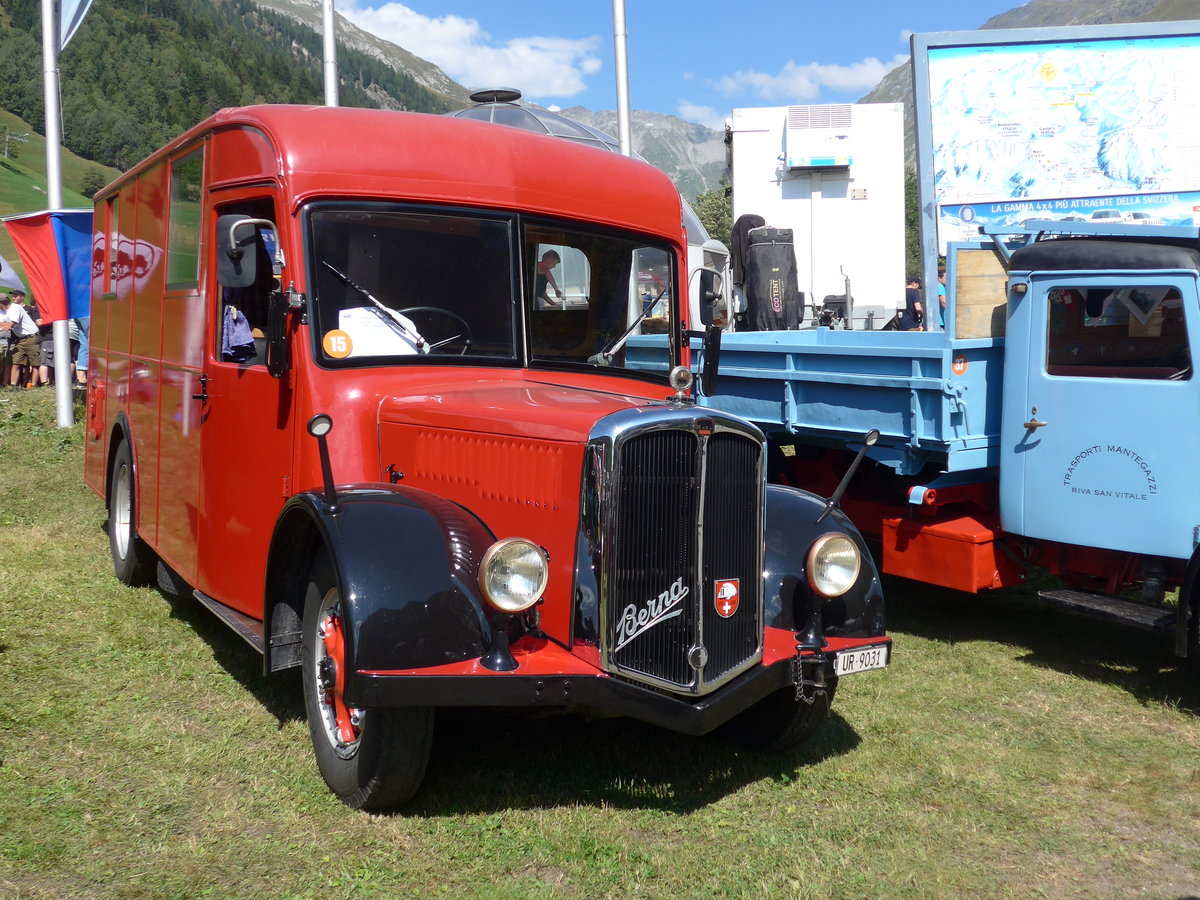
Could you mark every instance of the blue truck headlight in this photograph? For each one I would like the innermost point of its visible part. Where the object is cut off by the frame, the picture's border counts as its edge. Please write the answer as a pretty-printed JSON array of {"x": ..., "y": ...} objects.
[
  {"x": 833, "y": 564},
  {"x": 513, "y": 574}
]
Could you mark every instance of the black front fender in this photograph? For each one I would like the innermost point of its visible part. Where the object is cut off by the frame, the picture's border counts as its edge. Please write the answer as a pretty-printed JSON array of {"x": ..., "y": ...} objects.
[
  {"x": 791, "y": 530},
  {"x": 407, "y": 564}
]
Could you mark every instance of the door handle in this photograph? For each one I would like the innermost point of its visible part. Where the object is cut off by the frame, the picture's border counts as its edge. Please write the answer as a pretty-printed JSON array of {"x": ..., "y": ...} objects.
[
  {"x": 1033, "y": 424},
  {"x": 203, "y": 395}
]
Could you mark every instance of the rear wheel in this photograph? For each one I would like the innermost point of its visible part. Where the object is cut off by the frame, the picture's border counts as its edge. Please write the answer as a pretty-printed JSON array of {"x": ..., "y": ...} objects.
[
  {"x": 780, "y": 721},
  {"x": 373, "y": 759},
  {"x": 132, "y": 559}
]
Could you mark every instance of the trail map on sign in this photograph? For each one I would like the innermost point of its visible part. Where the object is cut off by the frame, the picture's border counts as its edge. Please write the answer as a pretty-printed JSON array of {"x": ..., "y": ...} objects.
[{"x": 1072, "y": 119}]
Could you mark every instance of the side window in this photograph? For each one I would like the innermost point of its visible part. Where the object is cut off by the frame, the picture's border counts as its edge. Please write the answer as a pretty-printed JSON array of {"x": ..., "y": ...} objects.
[
  {"x": 242, "y": 311},
  {"x": 183, "y": 243},
  {"x": 1117, "y": 331}
]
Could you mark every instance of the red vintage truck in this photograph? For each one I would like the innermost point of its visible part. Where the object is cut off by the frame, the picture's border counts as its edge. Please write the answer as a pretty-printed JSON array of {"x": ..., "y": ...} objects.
[{"x": 359, "y": 384}]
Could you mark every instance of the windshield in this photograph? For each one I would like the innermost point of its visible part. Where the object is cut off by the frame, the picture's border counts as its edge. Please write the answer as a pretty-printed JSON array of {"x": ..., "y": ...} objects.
[{"x": 394, "y": 285}]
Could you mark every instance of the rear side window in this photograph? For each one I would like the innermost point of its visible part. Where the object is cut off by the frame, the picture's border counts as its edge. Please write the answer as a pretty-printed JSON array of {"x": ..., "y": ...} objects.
[
  {"x": 1118, "y": 331},
  {"x": 183, "y": 243}
]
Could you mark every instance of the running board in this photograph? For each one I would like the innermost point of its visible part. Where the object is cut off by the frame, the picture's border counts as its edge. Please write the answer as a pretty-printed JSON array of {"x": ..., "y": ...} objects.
[
  {"x": 248, "y": 629},
  {"x": 1113, "y": 609}
]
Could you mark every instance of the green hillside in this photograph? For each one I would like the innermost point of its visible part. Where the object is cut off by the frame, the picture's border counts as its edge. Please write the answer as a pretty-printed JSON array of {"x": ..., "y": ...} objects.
[
  {"x": 140, "y": 72},
  {"x": 23, "y": 181}
]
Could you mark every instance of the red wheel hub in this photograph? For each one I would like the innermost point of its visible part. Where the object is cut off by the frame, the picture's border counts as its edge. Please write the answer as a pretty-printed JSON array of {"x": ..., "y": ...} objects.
[{"x": 334, "y": 640}]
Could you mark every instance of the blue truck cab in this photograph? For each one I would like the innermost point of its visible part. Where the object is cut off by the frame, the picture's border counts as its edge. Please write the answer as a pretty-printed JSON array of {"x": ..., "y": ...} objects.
[{"x": 1052, "y": 427}]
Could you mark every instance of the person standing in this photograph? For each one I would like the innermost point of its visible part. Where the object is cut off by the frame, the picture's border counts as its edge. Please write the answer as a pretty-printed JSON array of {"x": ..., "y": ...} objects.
[
  {"x": 25, "y": 347},
  {"x": 913, "y": 314},
  {"x": 942, "y": 297},
  {"x": 84, "y": 327},
  {"x": 5, "y": 353},
  {"x": 41, "y": 374},
  {"x": 545, "y": 280}
]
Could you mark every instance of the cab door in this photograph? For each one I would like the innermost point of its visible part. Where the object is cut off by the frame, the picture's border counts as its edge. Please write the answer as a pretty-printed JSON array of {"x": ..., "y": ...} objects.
[
  {"x": 246, "y": 435},
  {"x": 1100, "y": 433}
]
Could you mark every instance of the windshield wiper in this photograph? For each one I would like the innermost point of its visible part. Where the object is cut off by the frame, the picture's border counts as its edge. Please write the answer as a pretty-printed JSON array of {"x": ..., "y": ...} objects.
[{"x": 393, "y": 318}]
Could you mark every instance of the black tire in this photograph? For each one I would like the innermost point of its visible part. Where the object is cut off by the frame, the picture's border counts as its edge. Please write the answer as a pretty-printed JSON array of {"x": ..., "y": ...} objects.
[
  {"x": 780, "y": 721},
  {"x": 133, "y": 561},
  {"x": 384, "y": 764}
]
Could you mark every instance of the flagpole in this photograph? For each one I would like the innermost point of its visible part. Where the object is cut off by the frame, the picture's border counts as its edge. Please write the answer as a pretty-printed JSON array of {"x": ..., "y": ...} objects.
[
  {"x": 63, "y": 401},
  {"x": 622, "y": 67},
  {"x": 329, "y": 44}
]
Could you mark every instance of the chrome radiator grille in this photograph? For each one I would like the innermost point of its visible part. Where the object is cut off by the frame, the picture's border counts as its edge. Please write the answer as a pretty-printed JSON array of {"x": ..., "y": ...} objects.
[{"x": 682, "y": 604}]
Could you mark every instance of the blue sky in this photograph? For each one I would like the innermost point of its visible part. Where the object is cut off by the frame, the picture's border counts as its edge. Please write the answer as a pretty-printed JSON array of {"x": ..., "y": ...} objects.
[{"x": 697, "y": 59}]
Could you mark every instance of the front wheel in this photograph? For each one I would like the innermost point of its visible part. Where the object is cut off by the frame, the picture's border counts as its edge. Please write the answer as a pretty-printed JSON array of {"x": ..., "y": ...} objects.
[
  {"x": 780, "y": 721},
  {"x": 373, "y": 759}
]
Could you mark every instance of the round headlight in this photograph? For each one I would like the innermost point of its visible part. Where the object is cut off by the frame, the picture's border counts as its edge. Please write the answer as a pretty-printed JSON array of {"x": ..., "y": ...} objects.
[
  {"x": 513, "y": 574},
  {"x": 833, "y": 564}
]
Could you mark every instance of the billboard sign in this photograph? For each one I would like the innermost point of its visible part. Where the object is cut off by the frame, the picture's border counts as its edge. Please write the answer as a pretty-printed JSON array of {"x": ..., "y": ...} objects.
[{"x": 1097, "y": 124}]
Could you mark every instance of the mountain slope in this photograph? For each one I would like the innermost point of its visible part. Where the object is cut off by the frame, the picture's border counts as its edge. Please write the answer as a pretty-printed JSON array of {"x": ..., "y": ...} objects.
[
  {"x": 425, "y": 73},
  {"x": 692, "y": 155},
  {"x": 140, "y": 72}
]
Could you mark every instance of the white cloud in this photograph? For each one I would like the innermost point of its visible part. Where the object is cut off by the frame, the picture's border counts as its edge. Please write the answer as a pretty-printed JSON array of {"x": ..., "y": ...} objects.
[
  {"x": 538, "y": 66},
  {"x": 805, "y": 81},
  {"x": 704, "y": 115}
]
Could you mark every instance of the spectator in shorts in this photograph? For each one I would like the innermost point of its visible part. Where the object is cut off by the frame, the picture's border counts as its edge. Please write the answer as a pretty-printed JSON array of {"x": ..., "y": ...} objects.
[
  {"x": 23, "y": 336},
  {"x": 5, "y": 356},
  {"x": 46, "y": 340}
]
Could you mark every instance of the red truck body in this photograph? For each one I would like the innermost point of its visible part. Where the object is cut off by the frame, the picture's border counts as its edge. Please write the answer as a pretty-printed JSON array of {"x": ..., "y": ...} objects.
[{"x": 328, "y": 399}]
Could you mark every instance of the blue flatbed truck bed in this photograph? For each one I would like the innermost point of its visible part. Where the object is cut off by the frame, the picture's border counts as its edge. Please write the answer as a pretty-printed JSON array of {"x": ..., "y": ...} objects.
[{"x": 1050, "y": 427}]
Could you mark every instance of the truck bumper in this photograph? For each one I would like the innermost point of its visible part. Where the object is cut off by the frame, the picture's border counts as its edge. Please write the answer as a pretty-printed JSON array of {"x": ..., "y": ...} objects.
[{"x": 549, "y": 676}]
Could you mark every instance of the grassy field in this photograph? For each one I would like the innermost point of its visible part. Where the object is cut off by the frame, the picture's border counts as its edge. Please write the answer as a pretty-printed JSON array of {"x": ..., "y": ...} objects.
[{"x": 1010, "y": 751}]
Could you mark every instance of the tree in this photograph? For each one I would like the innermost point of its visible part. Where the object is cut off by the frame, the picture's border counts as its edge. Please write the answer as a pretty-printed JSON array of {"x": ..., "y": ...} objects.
[
  {"x": 714, "y": 208},
  {"x": 93, "y": 179},
  {"x": 11, "y": 142},
  {"x": 912, "y": 223}
]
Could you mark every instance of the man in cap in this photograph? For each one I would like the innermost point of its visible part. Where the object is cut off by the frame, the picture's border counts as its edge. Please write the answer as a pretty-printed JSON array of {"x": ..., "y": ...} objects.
[{"x": 912, "y": 315}]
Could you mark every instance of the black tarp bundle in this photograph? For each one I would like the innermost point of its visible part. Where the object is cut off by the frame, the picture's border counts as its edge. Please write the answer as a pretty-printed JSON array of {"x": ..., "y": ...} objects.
[
  {"x": 738, "y": 244},
  {"x": 773, "y": 300}
]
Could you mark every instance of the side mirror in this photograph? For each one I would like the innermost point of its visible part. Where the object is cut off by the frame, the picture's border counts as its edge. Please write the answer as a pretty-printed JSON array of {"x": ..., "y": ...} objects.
[
  {"x": 278, "y": 359},
  {"x": 712, "y": 360},
  {"x": 709, "y": 294}
]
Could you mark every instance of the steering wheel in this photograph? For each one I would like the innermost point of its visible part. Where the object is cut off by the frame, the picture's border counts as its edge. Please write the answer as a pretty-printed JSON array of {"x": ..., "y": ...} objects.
[{"x": 457, "y": 322}]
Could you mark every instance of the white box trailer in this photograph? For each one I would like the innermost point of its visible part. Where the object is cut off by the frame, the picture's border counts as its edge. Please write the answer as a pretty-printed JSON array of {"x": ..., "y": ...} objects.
[{"x": 834, "y": 175}]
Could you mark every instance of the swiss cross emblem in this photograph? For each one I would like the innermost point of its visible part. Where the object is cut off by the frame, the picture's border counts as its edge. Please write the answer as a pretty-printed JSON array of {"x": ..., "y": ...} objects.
[{"x": 727, "y": 594}]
